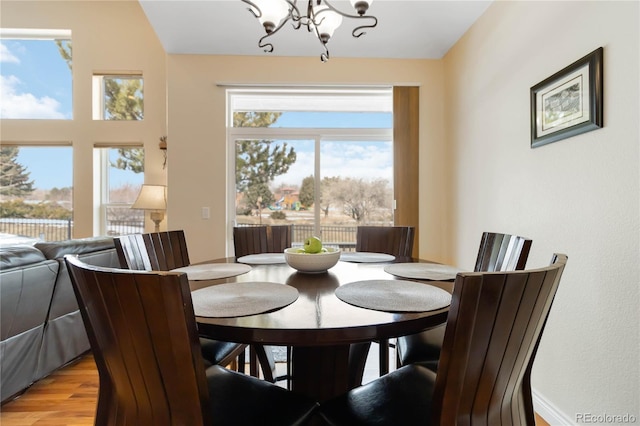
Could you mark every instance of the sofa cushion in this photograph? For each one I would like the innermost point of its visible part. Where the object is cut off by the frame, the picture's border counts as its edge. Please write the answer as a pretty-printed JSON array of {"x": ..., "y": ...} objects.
[
  {"x": 57, "y": 249},
  {"x": 20, "y": 255},
  {"x": 25, "y": 296}
]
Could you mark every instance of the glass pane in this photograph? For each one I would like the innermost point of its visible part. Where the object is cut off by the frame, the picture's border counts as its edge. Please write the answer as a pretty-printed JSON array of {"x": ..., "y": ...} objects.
[
  {"x": 338, "y": 120},
  {"x": 356, "y": 187},
  {"x": 123, "y": 98},
  {"x": 126, "y": 174},
  {"x": 36, "y": 184},
  {"x": 270, "y": 184},
  {"x": 125, "y": 178},
  {"x": 36, "y": 79}
]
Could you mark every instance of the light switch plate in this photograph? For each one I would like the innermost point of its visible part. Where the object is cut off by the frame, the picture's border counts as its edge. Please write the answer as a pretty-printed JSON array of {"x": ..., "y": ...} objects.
[{"x": 206, "y": 213}]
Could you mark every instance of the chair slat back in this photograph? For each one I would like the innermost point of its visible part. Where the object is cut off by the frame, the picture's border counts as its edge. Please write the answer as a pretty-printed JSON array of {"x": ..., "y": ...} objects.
[
  {"x": 156, "y": 251},
  {"x": 249, "y": 240},
  {"x": 493, "y": 329},
  {"x": 502, "y": 252},
  {"x": 168, "y": 250},
  {"x": 143, "y": 335},
  {"x": 132, "y": 252},
  {"x": 394, "y": 240},
  {"x": 278, "y": 238}
]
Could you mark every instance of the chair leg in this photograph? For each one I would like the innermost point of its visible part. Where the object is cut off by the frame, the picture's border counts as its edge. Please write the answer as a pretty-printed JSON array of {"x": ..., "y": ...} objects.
[
  {"x": 264, "y": 356},
  {"x": 289, "y": 360},
  {"x": 357, "y": 361},
  {"x": 242, "y": 361},
  {"x": 384, "y": 356}
]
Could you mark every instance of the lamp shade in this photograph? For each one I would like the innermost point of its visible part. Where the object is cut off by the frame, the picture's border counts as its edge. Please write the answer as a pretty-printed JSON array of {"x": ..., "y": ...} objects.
[
  {"x": 327, "y": 20},
  {"x": 151, "y": 197}
]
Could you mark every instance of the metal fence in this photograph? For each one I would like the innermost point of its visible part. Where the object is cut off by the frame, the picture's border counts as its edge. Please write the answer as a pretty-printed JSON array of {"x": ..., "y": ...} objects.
[
  {"x": 41, "y": 229},
  {"x": 331, "y": 235},
  {"x": 59, "y": 230}
]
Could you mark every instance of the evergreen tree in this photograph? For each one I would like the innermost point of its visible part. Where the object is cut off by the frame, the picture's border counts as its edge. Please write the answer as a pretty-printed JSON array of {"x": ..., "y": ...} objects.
[
  {"x": 259, "y": 190},
  {"x": 66, "y": 51},
  {"x": 130, "y": 159},
  {"x": 307, "y": 191},
  {"x": 259, "y": 161},
  {"x": 14, "y": 178},
  {"x": 124, "y": 98}
]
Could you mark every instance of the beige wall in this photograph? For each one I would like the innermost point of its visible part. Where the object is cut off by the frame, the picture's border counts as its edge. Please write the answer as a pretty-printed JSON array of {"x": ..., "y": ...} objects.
[
  {"x": 111, "y": 36},
  {"x": 578, "y": 196},
  {"x": 197, "y": 149}
]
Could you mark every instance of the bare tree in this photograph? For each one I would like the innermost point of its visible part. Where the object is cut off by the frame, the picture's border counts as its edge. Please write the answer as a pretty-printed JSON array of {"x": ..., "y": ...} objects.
[{"x": 358, "y": 197}]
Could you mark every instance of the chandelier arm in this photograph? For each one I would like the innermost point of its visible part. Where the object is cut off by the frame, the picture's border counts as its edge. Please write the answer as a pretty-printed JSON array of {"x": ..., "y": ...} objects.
[
  {"x": 358, "y": 31},
  {"x": 297, "y": 19},
  {"x": 324, "y": 57},
  {"x": 361, "y": 28},
  {"x": 251, "y": 9},
  {"x": 268, "y": 47}
]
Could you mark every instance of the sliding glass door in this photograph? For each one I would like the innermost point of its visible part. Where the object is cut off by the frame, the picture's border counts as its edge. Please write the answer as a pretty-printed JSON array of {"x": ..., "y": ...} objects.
[{"x": 324, "y": 172}]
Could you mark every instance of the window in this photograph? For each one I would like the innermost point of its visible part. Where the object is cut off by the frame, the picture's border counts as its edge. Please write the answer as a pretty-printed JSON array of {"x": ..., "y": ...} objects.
[
  {"x": 36, "y": 185},
  {"x": 119, "y": 176},
  {"x": 118, "y": 97},
  {"x": 324, "y": 166},
  {"x": 36, "y": 74}
]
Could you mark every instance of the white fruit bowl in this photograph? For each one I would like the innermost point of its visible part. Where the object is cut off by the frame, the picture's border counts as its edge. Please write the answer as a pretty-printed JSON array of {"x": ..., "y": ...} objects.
[{"x": 311, "y": 263}]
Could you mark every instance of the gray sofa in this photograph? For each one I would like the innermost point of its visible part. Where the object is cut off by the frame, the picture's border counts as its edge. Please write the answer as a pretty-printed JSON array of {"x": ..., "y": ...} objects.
[{"x": 41, "y": 328}]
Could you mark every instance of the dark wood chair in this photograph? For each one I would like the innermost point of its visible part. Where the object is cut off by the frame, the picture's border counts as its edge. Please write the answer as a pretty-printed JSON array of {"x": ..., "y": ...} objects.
[
  {"x": 249, "y": 240},
  {"x": 278, "y": 238},
  {"x": 156, "y": 251},
  {"x": 393, "y": 240},
  {"x": 255, "y": 240},
  {"x": 164, "y": 251},
  {"x": 497, "y": 252},
  {"x": 493, "y": 330},
  {"x": 144, "y": 339},
  {"x": 261, "y": 239}
]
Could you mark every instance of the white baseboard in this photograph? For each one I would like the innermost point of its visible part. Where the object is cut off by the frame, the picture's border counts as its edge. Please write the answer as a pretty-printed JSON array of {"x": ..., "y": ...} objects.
[{"x": 549, "y": 412}]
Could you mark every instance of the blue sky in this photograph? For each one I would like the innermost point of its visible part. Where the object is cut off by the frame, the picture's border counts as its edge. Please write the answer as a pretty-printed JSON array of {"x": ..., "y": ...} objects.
[{"x": 36, "y": 83}]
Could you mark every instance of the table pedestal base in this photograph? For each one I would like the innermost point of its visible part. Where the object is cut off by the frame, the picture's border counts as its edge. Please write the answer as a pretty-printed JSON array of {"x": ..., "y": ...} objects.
[{"x": 320, "y": 372}]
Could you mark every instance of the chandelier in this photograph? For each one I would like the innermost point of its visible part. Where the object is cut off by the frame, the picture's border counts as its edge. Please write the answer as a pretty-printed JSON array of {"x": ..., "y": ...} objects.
[{"x": 320, "y": 18}]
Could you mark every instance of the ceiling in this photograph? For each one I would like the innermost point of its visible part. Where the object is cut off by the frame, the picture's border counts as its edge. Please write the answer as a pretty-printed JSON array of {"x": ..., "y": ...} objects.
[{"x": 406, "y": 29}]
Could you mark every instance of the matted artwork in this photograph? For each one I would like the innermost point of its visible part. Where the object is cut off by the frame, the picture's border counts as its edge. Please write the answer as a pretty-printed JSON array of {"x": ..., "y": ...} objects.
[{"x": 569, "y": 102}]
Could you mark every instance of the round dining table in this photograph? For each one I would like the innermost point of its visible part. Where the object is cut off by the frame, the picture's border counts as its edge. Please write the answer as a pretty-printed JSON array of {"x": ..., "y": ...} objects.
[{"x": 318, "y": 326}]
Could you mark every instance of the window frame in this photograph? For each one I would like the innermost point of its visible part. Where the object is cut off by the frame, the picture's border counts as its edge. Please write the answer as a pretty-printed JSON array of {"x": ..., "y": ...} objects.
[
  {"x": 98, "y": 99},
  {"x": 42, "y": 34},
  {"x": 101, "y": 185},
  {"x": 318, "y": 135}
]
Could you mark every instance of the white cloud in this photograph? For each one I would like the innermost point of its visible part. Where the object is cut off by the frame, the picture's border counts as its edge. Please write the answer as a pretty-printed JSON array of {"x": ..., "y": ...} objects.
[
  {"x": 342, "y": 159},
  {"x": 7, "y": 56},
  {"x": 14, "y": 104}
]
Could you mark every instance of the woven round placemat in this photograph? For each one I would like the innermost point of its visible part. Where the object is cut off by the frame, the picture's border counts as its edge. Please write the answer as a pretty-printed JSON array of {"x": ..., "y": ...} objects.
[
  {"x": 394, "y": 295},
  {"x": 423, "y": 271},
  {"x": 365, "y": 257},
  {"x": 213, "y": 271},
  {"x": 262, "y": 258},
  {"x": 241, "y": 299}
]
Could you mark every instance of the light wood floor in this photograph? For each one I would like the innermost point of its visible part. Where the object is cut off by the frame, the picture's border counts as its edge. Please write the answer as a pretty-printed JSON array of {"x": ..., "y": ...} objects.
[{"x": 66, "y": 398}]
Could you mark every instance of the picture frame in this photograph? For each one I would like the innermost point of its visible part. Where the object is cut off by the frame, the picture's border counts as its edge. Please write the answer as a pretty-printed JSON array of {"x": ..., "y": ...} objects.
[{"x": 569, "y": 102}]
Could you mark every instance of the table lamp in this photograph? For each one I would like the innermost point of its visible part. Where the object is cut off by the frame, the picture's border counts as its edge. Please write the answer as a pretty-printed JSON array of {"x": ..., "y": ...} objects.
[{"x": 153, "y": 198}]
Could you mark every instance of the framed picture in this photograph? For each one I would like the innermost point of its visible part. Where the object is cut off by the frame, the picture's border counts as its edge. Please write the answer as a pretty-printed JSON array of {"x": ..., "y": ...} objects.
[{"x": 569, "y": 102}]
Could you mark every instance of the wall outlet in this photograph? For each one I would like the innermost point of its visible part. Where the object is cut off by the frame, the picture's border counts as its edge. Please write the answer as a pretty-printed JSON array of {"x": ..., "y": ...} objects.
[{"x": 206, "y": 213}]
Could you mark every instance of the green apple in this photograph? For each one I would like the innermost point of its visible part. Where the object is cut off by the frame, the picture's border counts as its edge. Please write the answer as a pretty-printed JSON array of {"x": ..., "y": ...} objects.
[{"x": 313, "y": 245}]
